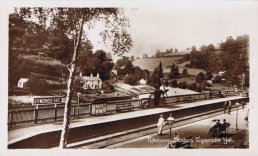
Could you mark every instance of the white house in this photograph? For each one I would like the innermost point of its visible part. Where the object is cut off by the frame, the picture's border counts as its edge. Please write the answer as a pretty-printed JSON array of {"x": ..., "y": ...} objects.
[
  {"x": 91, "y": 82},
  {"x": 220, "y": 73},
  {"x": 22, "y": 83},
  {"x": 143, "y": 82}
]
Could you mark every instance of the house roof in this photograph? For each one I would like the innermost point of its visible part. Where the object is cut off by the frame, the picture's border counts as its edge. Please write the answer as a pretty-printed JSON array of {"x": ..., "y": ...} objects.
[
  {"x": 89, "y": 78},
  {"x": 23, "y": 80}
]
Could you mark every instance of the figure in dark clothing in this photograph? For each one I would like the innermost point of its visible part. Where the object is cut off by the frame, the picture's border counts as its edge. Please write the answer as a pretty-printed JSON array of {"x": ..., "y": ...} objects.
[
  {"x": 225, "y": 107},
  {"x": 243, "y": 105},
  {"x": 229, "y": 107}
]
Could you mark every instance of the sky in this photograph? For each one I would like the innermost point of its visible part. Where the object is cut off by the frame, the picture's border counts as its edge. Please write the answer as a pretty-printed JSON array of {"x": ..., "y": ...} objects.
[{"x": 182, "y": 25}]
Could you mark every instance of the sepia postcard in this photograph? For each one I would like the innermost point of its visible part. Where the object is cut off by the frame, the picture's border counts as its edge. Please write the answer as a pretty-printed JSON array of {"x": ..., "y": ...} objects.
[{"x": 116, "y": 77}]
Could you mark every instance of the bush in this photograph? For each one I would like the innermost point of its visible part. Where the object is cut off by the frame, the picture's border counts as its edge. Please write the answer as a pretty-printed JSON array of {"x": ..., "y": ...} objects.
[
  {"x": 38, "y": 86},
  {"x": 217, "y": 79},
  {"x": 173, "y": 83},
  {"x": 192, "y": 86},
  {"x": 182, "y": 85},
  {"x": 130, "y": 79}
]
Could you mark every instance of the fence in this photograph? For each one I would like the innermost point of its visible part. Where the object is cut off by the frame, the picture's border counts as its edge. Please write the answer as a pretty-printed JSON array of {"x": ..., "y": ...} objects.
[{"x": 52, "y": 113}]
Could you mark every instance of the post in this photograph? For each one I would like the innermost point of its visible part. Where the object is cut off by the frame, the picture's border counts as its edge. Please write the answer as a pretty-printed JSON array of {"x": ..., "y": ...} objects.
[
  {"x": 55, "y": 112},
  {"x": 237, "y": 105},
  {"x": 78, "y": 95},
  {"x": 237, "y": 119},
  {"x": 36, "y": 114}
]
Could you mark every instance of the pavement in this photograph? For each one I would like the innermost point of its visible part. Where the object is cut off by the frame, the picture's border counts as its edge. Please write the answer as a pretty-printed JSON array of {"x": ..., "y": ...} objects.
[{"x": 15, "y": 135}]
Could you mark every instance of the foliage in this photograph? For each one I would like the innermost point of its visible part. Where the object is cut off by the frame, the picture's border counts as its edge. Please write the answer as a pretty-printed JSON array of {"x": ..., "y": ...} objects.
[
  {"x": 217, "y": 79},
  {"x": 208, "y": 75},
  {"x": 232, "y": 57},
  {"x": 185, "y": 72},
  {"x": 200, "y": 77},
  {"x": 182, "y": 85},
  {"x": 95, "y": 63},
  {"x": 155, "y": 78},
  {"x": 174, "y": 83},
  {"x": 174, "y": 71},
  {"x": 70, "y": 22}
]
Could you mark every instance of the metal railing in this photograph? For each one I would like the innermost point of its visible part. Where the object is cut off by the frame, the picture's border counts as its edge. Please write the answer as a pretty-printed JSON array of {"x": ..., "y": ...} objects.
[{"x": 52, "y": 113}]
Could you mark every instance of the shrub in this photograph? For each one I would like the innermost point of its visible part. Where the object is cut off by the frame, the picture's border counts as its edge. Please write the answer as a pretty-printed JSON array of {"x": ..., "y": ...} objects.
[
  {"x": 182, "y": 85},
  {"x": 217, "y": 79},
  {"x": 173, "y": 83}
]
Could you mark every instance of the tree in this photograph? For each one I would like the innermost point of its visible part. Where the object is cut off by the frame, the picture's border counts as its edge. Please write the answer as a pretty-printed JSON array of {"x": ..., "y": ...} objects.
[
  {"x": 200, "y": 77},
  {"x": 174, "y": 83},
  {"x": 144, "y": 56},
  {"x": 217, "y": 79},
  {"x": 71, "y": 21},
  {"x": 176, "y": 50},
  {"x": 185, "y": 72},
  {"x": 161, "y": 74},
  {"x": 174, "y": 71},
  {"x": 129, "y": 68},
  {"x": 193, "y": 49},
  {"x": 155, "y": 78},
  {"x": 182, "y": 85},
  {"x": 208, "y": 75},
  {"x": 122, "y": 62}
]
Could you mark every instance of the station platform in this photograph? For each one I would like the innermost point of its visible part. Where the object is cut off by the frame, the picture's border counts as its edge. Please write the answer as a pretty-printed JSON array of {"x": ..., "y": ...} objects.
[{"x": 48, "y": 135}]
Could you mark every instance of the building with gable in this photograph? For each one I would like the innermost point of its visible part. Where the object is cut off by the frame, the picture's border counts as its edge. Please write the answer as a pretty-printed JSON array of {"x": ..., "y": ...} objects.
[
  {"x": 91, "y": 82},
  {"x": 23, "y": 83}
]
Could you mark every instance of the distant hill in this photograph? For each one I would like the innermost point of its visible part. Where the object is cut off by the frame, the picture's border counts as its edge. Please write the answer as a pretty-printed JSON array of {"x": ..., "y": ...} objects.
[{"x": 151, "y": 63}]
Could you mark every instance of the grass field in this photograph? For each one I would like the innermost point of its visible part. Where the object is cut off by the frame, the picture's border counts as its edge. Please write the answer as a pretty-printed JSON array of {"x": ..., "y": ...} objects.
[{"x": 152, "y": 63}]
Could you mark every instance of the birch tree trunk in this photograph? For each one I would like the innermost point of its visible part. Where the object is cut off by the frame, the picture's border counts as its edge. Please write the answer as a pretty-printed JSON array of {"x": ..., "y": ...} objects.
[{"x": 72, "y": 69}]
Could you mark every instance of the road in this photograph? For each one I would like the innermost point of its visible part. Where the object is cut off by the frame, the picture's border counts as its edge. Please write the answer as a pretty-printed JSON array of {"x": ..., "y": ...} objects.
[{"x": 199, "y": 132}]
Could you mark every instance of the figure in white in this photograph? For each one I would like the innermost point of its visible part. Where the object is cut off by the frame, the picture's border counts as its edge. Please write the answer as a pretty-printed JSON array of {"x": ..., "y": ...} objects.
[{"x": 160, "y": 124}]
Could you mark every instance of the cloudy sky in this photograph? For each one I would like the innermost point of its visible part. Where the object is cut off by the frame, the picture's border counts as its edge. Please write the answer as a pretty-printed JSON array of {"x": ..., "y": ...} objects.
[{"x": 182, "y": 25}]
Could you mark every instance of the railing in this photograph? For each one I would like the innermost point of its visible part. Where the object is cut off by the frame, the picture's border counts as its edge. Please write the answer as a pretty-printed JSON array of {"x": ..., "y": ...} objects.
[{"x": 52, "y": 113}]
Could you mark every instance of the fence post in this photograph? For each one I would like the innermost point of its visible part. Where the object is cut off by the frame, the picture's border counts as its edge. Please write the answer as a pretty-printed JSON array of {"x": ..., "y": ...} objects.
[
  {"x": 73, "y": 111},
  {"x": 55, "y": 112},
  {"x": 36, "y": 114}
]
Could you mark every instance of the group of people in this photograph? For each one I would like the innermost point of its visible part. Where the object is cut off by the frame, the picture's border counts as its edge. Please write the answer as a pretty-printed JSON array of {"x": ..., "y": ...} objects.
[
  {"x": 161, "y": 123},
  {"x": 228, "y": 106}
]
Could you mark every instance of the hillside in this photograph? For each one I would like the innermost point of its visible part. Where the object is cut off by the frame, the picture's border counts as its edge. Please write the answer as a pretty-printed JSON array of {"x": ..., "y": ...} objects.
[
  {"x": 152, "y": 63},
  {"x": 44, "y": 73}
]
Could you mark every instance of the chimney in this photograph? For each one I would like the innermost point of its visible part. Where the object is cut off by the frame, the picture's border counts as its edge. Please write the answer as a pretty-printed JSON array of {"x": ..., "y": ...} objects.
[
  {"x": 91, "y": 75},
  {"x": 97, "y": 74}
]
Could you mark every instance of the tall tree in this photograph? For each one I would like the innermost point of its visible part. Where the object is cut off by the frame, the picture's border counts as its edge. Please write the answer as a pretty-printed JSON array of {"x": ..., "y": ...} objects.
[
  {"x": 161, "y": 70},
  {"x": 174, "y": 71},
  {"x": 71, "y": 22}
]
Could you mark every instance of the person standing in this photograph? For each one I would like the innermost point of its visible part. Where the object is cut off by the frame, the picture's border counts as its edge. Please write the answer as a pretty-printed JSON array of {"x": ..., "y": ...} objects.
[
  {"x": 243, "y": 105},
  {"x": 170, "y": 121},
  {"x": 160, "y": 124},
  {"x": 225, "y": 107},
  {"x": 229, "y": 107},
  {"x": 226, "y": 126}
]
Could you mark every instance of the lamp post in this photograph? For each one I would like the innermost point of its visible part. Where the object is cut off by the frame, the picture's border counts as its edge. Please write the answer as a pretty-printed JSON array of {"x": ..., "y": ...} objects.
[
  {"x": 237, "y": 105},
  {"x": 78, "y": 96},
  {"x": 170, "y": 124}
]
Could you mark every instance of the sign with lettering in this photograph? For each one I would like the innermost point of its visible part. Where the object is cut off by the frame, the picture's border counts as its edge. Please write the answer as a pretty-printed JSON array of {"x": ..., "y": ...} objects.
[{"x": 47, "y": 100}]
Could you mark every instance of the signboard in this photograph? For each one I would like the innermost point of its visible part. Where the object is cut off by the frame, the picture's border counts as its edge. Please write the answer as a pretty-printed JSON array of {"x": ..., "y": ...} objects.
[
  {"x": 98, "y": 109},
  {"x": 47, "y": 100}
]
